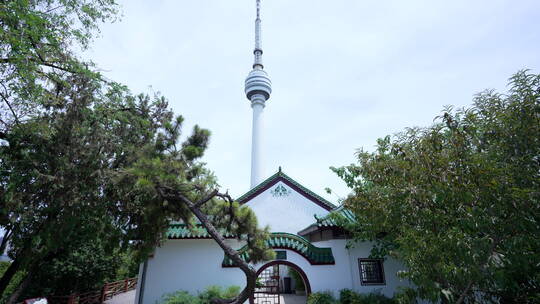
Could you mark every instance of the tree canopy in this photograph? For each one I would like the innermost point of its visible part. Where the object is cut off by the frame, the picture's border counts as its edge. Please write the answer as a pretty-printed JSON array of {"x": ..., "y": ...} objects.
[
  {"x": 38, "y": 44},
  {"x": 459, "y": 202}
]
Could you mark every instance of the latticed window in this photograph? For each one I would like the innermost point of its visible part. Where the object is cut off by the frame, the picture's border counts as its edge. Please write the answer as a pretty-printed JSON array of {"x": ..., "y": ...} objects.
[
  {"x": 281, "y": 255},
  {"x": 371, "y": 271}
]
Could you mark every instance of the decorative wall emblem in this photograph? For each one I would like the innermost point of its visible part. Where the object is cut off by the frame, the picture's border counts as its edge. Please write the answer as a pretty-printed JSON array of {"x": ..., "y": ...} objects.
[{"x": 280, "y": 191}]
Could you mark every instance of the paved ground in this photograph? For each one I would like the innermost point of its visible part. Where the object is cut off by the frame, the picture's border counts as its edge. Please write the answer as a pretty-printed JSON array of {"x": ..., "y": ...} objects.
[
  {"x": 123, "y": 298},
  {"x": 129, "y": 298},
  {"x": 292, "y": 299}
]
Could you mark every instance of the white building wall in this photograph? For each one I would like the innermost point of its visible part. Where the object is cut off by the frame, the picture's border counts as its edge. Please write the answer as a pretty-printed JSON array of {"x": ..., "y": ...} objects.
[
  {"x": 332, "y": 277},
  {"x": 190, "y": 265},
  {"x": 193, "y": 265},
  {"x": 390, "y": 265},
  {"x": 290, "y": 213}
]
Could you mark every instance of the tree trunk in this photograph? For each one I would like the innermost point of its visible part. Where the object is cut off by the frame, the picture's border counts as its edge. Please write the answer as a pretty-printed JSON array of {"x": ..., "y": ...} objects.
[
  {"x": 8, "y": 275},
  {"x": 22, "y": 286},
  {"x": 251, "y": 274},
  {"x": 464, "y": 293},
  {"x": 249, "y": 271}
]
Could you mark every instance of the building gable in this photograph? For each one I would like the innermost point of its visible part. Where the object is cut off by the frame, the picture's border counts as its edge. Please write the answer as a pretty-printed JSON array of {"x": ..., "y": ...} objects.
[
  {"x": 291, "y": 183},
  {"x": 283, "y": 204}
]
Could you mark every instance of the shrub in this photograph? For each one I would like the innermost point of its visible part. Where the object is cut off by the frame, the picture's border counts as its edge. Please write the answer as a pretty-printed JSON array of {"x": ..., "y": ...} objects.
[
  {"x": 180, "y": 297},
  {"x": 231, "y": 292},
  {"x": 299, "y": 282},
  {"x": 205, "y": 297},
  {"x": 347, "y": 296},
  {"x": 217, "y": 292},
  {"x": 321, "y": 298}
]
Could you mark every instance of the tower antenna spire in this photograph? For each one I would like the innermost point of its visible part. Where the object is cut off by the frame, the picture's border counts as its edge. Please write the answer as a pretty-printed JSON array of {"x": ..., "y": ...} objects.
[
  {"x": 258, "y": 46},
  {"x": 258, "y": 88}
]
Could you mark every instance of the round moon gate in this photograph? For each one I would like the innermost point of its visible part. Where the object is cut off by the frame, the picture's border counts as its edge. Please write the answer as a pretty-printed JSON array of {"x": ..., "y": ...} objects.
[{"x": 269, "y": 285}]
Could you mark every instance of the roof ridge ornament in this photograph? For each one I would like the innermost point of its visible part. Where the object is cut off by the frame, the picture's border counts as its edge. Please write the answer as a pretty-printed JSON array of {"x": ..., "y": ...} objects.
[{"x": 280, "y": 191}]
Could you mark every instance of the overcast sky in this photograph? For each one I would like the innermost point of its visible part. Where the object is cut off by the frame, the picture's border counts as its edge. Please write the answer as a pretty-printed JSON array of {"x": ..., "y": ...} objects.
[{"x": 344, "y": 72}]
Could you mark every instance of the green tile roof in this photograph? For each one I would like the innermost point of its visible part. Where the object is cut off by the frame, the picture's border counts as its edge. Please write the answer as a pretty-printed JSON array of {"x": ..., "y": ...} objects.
[
  {"x": 280, "y": 240},
  {"x": 336, "y": 218},
  {"x": 182, "y": 231},
  {"x": 284, "y": 176}
]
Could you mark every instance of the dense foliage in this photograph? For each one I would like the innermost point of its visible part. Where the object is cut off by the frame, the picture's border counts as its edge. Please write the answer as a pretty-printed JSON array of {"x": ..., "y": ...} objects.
[
  {"x": 459, "y": 202},
  {"x": 321, "y": 298},
  {"x": 298, "y": 281},
  {"x": 85, "y": 268},
  {"x": 38, "y": 42},
  {"x": 347, "y": 296},
  {"x": 59, "y": 173},
  {"x": 14, "y": 283},
  {"x": 205, "y": 297}
]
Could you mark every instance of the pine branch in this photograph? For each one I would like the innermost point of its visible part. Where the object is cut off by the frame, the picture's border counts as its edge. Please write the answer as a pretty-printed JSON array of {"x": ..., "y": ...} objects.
[
  {"x": 177, "y": 198},
  {"x": 208, "y": 197}
]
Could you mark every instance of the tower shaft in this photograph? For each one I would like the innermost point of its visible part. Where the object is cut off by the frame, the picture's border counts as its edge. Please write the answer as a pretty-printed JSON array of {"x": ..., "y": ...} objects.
[
  {"x": 256, "y": 139},
  {"x": 258, "y": 88}
]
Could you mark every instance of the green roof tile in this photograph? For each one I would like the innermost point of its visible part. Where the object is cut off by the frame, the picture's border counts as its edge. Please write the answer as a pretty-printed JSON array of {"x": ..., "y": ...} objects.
[
  {"x": 336, "y": 218},
  {"x": 329, "y": 220},
  {"x": 315, "y": 255},
  {"x": 179, "y": 230}
]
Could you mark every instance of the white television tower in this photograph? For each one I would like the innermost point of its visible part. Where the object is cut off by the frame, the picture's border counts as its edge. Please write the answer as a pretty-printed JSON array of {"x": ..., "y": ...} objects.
[{"x": 258, "y": 89}]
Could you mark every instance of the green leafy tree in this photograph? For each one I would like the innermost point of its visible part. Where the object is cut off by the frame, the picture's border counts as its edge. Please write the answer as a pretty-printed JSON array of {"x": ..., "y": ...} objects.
[
  {"x": 37, "y": 39},
  {"x": 459, "y": 202},
  {"x": 37, "y": 43},
  {"x": 57, "y": 173},
  {"x": 128, "y": 266},
  {"x": 88, "y": 264},
  {"x": 177, "y": 185}
]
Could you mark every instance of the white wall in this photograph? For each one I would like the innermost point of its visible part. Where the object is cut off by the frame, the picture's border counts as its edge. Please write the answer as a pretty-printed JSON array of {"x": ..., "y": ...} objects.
[
  {"x": 390, "y": 265},
  {"x": 289, "y": 213},
  {"x": 192, "y": 265},
  {"x": 189, "y": 265}
]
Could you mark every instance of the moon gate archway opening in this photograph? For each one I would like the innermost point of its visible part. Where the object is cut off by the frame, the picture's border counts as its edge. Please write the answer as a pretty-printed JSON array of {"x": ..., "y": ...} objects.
[{"x": 270, "y": 289}]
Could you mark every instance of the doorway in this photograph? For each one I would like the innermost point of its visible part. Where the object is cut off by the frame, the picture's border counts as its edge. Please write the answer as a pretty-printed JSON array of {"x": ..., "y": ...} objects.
[{"x": 281, "y": 282}]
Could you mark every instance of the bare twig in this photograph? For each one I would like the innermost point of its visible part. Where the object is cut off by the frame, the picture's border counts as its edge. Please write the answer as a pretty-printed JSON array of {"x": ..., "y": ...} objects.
[
  {"x": 10, "y": 108},
  {"x": 225, "y": 196},
  {"x": 45, "y": 63}
]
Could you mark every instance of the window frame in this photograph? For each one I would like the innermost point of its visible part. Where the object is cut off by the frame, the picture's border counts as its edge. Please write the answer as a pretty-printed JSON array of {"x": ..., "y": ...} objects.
[
  {"x": 281, "y": 255},
  {"x": 380, "y": 263}
]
